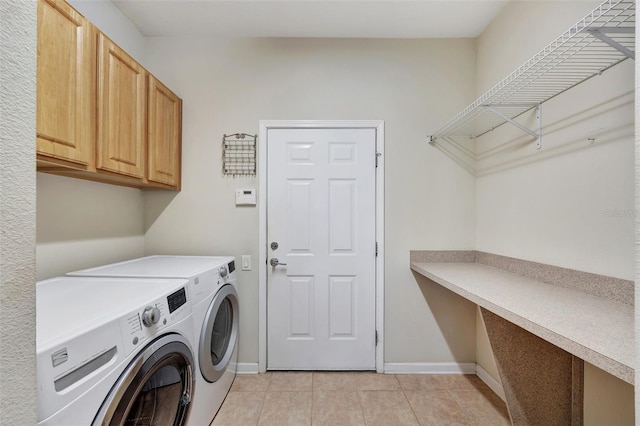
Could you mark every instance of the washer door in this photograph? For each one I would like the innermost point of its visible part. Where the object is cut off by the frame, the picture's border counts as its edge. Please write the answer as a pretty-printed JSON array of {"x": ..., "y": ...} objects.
[
  {"x": 155, "y": 389},
  {"x": 219, "y": 334}
]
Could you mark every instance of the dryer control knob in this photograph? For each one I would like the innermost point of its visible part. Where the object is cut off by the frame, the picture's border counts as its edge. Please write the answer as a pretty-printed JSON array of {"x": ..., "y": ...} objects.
[
  {"x": 150, "y": 316},
  {"x": 223, "y": 271}
]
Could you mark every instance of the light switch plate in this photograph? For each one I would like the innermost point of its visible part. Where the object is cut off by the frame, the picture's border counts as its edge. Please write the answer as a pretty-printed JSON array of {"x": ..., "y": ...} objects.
[{"x": 246, "y": 262}]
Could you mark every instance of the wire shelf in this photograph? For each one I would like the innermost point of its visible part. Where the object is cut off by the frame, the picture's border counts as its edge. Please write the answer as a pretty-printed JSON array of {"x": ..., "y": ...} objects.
[{"x": 602, "y": 39}]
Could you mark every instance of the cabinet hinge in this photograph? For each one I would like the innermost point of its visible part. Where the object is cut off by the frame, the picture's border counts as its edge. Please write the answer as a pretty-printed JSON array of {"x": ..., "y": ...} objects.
[{"x": 377, "y": 156}]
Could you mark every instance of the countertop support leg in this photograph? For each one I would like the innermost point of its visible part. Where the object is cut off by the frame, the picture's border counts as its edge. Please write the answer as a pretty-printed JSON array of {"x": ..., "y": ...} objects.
[{"x": 543, "y": 383}]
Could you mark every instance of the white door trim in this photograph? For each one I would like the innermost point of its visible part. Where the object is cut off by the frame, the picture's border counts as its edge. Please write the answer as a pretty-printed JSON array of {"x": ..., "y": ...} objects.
[{"x": 265, "y": 125}]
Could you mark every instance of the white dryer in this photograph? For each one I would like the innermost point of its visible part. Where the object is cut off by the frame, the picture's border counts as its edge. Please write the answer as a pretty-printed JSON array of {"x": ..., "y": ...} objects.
[
  {"x": 212, "y": 283},
  {"x": 114, "y": 351}
]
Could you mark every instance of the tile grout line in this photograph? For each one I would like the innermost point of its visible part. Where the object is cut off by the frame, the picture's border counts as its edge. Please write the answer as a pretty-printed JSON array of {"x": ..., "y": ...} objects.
[
  {"x": 313, "y": 391},
  {"x": 264, "y": 398},
  {"x": 470, "y": 418},
  {"x": 355, "y": 384},
  {"x": 407, "y": 399}
]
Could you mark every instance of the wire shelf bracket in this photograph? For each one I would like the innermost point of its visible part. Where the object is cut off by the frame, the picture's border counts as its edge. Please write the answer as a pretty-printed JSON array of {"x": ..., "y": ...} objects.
[
  {"x": 537, "y": 134},
  {"x": 601, "y": 40},
  {"x": 601, "y": 34}
]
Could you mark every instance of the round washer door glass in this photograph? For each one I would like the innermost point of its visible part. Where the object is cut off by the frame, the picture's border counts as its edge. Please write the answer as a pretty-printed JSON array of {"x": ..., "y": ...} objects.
[
  {"x": 155, "y": 389},
  {"x": 219, "y": 333}
]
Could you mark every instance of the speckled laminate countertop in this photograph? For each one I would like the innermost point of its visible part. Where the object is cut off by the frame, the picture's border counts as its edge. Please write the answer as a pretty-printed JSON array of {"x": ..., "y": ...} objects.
[{"x": 598, "y": 330}]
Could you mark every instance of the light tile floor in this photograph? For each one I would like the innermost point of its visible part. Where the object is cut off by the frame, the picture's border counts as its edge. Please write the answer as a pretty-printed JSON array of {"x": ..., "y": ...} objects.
[{"x": 336, "y": 399}]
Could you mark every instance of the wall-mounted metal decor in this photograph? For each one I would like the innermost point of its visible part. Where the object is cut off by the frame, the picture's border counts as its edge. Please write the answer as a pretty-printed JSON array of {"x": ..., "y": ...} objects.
[{"x": 239, "y": 154}]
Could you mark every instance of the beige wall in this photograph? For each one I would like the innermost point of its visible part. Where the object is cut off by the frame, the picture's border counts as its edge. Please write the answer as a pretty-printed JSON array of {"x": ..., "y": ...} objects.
[
  {"x": 91, "y": 223},
  {"x": 570, "y": 203},
  {"x": 111, "y": 21},
  {"x": 637, "y": 205},
  {"x": 484, "y": 354},
  {"x": 558, "y": 205},
  {"x": 228, "y": 85},
  {"x": 607, "y": 400},
  {"x": 17, "y": 212}
]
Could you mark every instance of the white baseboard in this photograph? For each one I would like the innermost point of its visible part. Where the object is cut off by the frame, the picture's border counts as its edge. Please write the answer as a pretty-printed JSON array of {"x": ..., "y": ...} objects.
[
  {"x": 247, "y": 368},
  {"x": 430, "y": 368},
  {"x": 495, "y": 385}
]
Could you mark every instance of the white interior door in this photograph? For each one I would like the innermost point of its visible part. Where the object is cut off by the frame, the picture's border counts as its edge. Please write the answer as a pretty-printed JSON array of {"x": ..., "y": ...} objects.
[{"x": 321, "y": 213}]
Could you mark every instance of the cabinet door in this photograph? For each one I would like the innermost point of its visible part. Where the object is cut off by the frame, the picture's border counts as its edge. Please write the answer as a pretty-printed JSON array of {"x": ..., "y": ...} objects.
[
  {"x": 121, "y": 111},
  {"x": 165, "y": 134},
  {"x": 64, "y": 117}
]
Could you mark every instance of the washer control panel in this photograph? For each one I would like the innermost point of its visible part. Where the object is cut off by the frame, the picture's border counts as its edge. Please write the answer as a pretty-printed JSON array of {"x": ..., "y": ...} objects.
[
  {"x": 139, "y": 326},
  {"x": 150, "y": 316},
  {"x": 177, "y": 300}
]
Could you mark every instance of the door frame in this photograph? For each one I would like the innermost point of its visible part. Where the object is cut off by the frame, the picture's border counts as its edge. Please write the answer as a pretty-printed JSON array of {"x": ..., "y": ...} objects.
[{"x": 264, "y": 126}]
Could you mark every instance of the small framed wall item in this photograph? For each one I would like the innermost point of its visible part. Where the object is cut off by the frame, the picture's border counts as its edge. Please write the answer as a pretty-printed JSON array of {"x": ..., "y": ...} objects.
[{"x": 239, "y": 154}]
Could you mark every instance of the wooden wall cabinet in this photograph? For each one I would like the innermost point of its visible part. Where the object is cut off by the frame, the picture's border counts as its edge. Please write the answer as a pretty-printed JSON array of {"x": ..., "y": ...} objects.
[
  {"x": 165, "y": 135},
  {"x": 100, "y": 115},
  {"x": 64, "y": 114},
  {"x": 122, "y": 107}
]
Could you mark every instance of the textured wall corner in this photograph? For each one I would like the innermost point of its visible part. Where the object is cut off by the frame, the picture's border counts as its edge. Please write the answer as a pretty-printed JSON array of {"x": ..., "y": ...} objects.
[
  {"x": 637, "y": 288},
  {"x": 17, "y": 211}
]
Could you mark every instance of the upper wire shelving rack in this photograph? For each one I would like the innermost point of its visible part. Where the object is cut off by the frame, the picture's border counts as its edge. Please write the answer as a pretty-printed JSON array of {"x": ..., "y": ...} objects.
[{"x": 599, "y": 41}]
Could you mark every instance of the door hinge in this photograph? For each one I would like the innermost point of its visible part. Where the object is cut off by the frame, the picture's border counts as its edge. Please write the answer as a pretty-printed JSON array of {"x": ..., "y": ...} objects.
[
  {"x": 377, "y": 156},
  {"x": 376, "y": 249},
  {"x": 376, "y": 337}
]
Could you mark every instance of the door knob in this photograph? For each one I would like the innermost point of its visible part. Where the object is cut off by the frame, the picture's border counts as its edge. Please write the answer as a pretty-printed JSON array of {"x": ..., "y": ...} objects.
[{"x": 274, "y": 262}]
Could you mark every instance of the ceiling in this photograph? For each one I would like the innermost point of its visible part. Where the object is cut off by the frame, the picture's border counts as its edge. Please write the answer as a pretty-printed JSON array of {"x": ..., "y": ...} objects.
[{"x": 312, "y": 18}]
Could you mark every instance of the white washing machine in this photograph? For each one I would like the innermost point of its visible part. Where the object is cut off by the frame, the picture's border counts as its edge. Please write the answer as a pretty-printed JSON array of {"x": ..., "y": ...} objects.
[
  {"x": 212, "y": 283},
  {"x": 114, "y": 351}
]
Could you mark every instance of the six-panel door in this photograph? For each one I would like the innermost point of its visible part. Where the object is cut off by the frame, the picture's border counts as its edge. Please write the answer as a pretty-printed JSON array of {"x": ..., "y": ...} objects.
[{"x": 321, "y": 213}]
